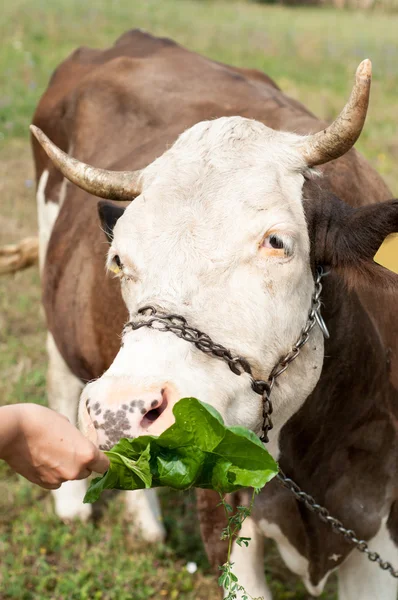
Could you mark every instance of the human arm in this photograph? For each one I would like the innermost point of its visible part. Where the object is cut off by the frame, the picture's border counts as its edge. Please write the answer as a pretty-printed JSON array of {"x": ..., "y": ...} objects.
[{"x": 45, "y": 447}]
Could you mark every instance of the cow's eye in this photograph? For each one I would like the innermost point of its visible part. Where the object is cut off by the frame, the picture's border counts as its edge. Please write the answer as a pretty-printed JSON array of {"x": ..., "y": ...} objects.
[
  {"x": 116, "y": 265},
  {"x": 278, "y": 245},
  {"x": 273, "y": 241}
]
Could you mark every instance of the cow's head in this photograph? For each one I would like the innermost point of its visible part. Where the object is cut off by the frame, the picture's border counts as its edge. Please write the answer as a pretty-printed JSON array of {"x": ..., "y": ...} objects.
[{"x": 217, "y": 233}]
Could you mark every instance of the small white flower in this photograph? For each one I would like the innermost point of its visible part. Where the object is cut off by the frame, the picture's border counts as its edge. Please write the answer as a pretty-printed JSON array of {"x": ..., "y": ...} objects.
[{"x": 192, "y": 567}]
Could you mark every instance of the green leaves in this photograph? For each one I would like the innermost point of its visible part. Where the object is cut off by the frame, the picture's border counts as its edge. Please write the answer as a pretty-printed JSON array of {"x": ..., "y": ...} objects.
[
  {"x": 124, "y": 472},
  {"x": 196, "y": 451}
]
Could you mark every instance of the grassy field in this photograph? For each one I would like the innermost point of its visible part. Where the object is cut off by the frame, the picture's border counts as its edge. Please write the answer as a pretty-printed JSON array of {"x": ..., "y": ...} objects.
[{"x": 312, "y": 54}]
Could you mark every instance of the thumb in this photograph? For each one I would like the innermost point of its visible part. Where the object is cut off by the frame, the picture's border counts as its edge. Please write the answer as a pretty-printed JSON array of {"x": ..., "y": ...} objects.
[{"x": 100, "y": 462}]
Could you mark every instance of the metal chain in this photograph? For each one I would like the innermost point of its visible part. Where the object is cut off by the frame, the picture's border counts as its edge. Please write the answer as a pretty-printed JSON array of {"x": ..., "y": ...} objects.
[
  {"x": 265, "y": 388},
  {"x": 178, "y": 325},
  {"x": 335, "y": 524}
]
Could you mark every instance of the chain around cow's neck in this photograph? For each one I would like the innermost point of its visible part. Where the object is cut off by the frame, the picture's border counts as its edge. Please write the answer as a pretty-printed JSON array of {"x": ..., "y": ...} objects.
[{"x": 238, "y": 365}]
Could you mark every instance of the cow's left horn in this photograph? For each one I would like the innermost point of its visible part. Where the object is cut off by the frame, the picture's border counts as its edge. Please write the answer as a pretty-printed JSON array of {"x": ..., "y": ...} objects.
[
  {"x": 342, "y": 134},
  {"x": 114, "y": 185}
]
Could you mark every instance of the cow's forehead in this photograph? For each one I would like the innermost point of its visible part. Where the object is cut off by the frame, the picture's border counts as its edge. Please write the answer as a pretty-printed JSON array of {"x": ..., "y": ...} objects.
[
  {"x": 228, "y": 143},
  {"x": 231, "y": 134},
  {"x": 229, "y": 179},
  {"x": 229, "y": 163}
]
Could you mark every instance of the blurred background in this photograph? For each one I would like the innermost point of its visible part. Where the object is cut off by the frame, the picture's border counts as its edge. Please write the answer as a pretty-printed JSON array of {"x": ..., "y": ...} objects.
[{"x": 311, "y": 49}]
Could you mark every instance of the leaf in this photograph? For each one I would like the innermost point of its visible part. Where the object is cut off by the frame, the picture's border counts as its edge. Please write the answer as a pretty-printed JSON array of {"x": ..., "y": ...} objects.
[
  {"x": 200, "y": 426},
  {"x": 107, "y": 482},
  {"x": 140, "y": 467},
  {"x": 243, "y": 540},
  {"x": 196, "y": 451},
  {"x": 181, "y": 469},
  {"x": 123, "y": 473}
]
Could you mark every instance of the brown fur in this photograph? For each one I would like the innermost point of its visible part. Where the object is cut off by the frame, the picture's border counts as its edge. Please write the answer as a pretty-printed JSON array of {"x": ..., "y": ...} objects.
[{"x": 120, "y": 108}]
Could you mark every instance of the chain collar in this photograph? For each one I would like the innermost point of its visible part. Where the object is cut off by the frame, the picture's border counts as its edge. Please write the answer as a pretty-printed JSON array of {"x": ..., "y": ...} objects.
[{"x": 178, "y": 325}]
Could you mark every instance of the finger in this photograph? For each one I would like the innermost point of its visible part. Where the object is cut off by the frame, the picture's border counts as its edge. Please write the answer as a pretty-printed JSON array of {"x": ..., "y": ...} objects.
[
  {"x": 48, "y": 486},
  {"x": 100, "y": 463},
  {"x": 41, "y": 481},
  {"x": 83, "y": 474}
]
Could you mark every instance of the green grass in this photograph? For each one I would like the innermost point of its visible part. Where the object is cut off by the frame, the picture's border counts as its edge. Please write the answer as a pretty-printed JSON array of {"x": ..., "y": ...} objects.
[
  {"x": 312, "y": 54},
  {"x": 43, "y": 558}
]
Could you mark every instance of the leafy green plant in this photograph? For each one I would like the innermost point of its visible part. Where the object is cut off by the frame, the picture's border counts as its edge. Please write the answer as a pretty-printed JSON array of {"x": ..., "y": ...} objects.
[
  {"x": 198, "y": 450},
  {"x": 228, "y": 580}
]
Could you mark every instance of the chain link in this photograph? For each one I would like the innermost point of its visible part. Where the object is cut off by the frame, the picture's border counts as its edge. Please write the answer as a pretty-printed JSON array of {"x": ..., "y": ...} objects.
[
  {"x": 335, "y": 524},
  {"x": 314, "y": 317},
  {"x": 178, "y": 325}
]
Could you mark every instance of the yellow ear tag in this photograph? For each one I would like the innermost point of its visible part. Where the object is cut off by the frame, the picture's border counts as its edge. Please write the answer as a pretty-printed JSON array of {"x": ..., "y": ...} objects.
[
  {"x": 115, "y": 269},
  {"x": 387, "y": 254}
]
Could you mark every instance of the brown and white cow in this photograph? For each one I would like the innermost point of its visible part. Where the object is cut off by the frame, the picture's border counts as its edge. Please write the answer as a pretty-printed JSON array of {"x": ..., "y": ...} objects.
[{"x": 228, "y": 223}]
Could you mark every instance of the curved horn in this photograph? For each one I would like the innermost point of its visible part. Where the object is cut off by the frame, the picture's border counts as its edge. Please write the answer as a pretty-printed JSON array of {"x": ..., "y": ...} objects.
[
  {"x": 113, "y": 185},
  {"x": 342, "y": 134}
]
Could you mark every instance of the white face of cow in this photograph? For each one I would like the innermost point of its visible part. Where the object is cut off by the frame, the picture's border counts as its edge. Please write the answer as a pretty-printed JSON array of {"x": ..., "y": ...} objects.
[{"x": 218, "y": 235}]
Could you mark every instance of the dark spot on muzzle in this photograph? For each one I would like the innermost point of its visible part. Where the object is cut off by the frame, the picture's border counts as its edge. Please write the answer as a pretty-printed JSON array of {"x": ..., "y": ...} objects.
[{"x": 115, "y": 425}]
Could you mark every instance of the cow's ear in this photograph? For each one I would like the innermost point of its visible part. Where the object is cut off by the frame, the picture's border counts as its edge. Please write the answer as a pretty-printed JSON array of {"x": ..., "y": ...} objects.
[
  {"x": 109, "y": 213},
  {"x": 346, "y": 239}
]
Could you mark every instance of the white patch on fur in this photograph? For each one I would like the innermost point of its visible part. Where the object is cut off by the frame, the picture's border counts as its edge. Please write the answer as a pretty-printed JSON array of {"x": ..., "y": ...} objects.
[
  {"x": 335, "y": 557},
  {"x": 63, "y": 391},
  {"x": 297, "y": 563},
  {"x": 248, "y": 563},
  {"x": 68, "y": 501},
  {"x": 62, "y": 192},
  {"x": 143, "y": 506},
  {"x": 193, "y": 240},
  {"x": 47, "y": 213},
  {"x": 363, "y": 580}
]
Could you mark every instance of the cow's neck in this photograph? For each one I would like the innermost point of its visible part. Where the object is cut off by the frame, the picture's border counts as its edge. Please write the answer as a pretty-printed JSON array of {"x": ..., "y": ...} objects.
[{"x": 353, "y": 390}]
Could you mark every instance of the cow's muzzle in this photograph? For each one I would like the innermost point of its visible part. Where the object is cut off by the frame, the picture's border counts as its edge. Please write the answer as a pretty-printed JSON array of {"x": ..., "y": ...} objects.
[{"x": 113, "y": 408}]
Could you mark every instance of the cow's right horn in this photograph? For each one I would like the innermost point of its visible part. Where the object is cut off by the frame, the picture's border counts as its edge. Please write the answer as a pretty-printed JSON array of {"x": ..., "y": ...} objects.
[{"x": 113, "y": 185}]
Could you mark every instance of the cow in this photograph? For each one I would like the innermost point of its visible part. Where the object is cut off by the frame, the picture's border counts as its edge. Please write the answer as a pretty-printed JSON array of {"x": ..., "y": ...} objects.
[{"x": 222, "y": 199}]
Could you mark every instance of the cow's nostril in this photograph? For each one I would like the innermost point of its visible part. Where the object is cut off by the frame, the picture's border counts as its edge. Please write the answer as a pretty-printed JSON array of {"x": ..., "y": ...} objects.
[
  {"x": 159, "y": 406},
  {"x": 153, "y": 414}
]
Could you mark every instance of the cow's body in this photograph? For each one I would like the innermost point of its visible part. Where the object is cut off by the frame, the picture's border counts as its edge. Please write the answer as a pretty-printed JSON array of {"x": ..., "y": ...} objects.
[{"x": 120, "y": 109}]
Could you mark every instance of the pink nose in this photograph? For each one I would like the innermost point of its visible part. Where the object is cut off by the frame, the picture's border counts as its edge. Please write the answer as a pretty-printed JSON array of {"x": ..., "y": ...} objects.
[{"x": 120, "y": 411}]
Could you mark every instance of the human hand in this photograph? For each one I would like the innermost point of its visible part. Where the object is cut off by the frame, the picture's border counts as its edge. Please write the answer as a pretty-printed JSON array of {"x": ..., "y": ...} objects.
[{"x": 45, "y": 447}]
